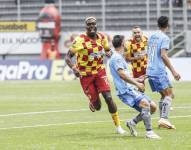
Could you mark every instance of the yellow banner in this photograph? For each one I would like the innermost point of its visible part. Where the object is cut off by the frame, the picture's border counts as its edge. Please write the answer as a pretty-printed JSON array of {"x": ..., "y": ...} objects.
[{"x": 17, "y": 26}]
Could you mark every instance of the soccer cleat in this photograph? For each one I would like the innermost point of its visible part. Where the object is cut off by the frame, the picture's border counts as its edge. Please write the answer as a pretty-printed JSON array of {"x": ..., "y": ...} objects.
[
  {"x": 164, "y": 123},
  {"x": 91, "y": 107},
  {"x": 131, "y": 128},
  {"x": 120, "y": 130},
  {"x": 152, "y": 135},
  {"x": 171, "y": 108}
]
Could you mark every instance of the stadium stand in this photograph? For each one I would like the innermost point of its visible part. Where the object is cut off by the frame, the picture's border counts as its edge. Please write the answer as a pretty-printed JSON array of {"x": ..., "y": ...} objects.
[{"x": 118, "y": 15}]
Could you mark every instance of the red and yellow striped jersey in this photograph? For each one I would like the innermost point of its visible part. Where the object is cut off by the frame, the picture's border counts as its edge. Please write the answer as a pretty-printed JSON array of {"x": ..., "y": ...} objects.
[
  {"x": 90, "y": 53},
  {"x": 135, "y": 49}
]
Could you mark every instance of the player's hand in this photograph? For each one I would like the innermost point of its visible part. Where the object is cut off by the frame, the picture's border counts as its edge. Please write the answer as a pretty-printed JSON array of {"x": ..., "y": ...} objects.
[
  {"x": 76, "y": 71},
  {"x": 176, "y": 76},
  {"x": 108, "y": 53},
  {"x": 142, "y": 78},
  {"x": 141, "y": 56},
  {"x": 141, "y": 87}
]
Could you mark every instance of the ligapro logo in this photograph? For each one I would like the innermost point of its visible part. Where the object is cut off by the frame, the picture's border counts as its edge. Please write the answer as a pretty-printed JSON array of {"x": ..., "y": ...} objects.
[{"x": 24, "y": 70}]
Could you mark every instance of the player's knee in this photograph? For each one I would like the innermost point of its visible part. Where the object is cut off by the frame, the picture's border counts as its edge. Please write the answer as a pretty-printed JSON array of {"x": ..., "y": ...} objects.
[
  {"x": 107, "y": 97},
  {"x": 97, "y": 105},
  {"x": 145, "y": 113},
  {"x": 153, "y": 107},
  {"x": 144, "y": 104},
  {"x": 168, "y": 98}
]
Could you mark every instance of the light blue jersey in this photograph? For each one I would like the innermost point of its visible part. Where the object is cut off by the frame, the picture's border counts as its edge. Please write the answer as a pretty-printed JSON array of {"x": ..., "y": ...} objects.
[
  {"x": 156, "y": 69},
  {"x": 157, "y": 41},
  {"x": 125, "y": 91},
  {"x": 118, "y": 62}
]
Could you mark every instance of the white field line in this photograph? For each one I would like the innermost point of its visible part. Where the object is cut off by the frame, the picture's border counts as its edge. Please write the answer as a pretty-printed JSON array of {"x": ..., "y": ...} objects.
[
  {"x": 76, "y": 123},
  {"x": 43, "y": 112},
  {"x": 68, "y": 110}
]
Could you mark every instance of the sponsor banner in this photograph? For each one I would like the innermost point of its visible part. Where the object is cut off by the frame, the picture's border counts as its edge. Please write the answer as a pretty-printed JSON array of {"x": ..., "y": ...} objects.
[
  {"x": 58, "y": 70},
  {"x": 17, "y": 26},
  {"x": 20, "y": 43},
  {"x": 30, "y": 42},
  {"x": 25, "y": 70}
]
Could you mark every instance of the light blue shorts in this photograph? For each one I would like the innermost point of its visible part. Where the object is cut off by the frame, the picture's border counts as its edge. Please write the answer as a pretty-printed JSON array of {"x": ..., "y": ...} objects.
[
  {"x": 159, "y": 83},
  {"x": 133, "y": 97}
]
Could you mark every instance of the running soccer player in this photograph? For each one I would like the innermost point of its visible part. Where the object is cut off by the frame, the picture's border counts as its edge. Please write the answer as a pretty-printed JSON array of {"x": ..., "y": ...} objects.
[
  {"x": 89, "y": 49},
  {"x": 125, "y": 87},
  {"x": 158, "y": 60}
]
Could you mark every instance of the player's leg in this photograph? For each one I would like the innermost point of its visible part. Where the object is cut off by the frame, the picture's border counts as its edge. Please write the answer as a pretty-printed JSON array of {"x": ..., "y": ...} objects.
[
  {"x": 160, "y": 103},
  {"x": 164, "y": 87},
  {"x": 166, "y": 104},
  {"x": 161, "y": 84},
  {"x": 91, "y": 92},
  {"x": 113, "y": 111},
  {"x": 138, "y": 118},
  {"x": 153, "y": 107},
  {"x": 103, "y": 87},
  {"x": 146, "y": 116},
  {"x": 145, "y": 106},
  {"x": 127, "y": 98}
]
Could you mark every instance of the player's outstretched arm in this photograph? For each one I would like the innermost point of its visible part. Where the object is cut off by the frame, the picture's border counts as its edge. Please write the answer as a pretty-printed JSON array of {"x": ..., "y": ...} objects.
[
  {"x": 126, "y": 78},
  {"x": 68, "y": 59}
]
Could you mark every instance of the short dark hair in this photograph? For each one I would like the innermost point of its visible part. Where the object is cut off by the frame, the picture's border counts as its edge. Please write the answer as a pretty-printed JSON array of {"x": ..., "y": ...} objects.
[
  {"x": 117, "y": 40},
  {"x": 163, "y": 22}
]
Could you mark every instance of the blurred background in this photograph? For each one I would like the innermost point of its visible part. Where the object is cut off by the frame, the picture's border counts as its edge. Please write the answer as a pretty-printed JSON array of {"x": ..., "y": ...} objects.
[{"x": 20, "y": 38}]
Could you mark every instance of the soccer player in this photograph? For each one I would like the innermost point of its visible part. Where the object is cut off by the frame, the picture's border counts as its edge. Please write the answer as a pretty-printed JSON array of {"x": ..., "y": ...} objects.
[
  {"x": 125, "y": 87},
  {"x": 158, "y": 45},
  {"x": 90, "y": 48},
  {"x": 136, "y": 52}
]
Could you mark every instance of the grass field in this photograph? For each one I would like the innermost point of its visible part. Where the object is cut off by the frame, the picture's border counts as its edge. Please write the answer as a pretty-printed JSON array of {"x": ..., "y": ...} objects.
[{"x": 44, "y": 115}]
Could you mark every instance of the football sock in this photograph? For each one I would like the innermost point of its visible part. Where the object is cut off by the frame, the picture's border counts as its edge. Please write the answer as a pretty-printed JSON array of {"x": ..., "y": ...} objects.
[
  {"x": 146, "y": 116},
  {"x": 166, "y": 107},
  {"x": 137, "y": 119},
  {"x": 160, "y": 107},
  {"x": 116, "y": 120}
]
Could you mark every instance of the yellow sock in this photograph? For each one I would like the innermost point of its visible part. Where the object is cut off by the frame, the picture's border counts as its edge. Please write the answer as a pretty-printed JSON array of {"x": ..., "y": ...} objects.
[{"x": 116, "y": 120}]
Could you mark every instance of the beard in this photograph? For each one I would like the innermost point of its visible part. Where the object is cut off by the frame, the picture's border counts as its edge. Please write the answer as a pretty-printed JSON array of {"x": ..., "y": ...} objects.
[
  {"x": 92, "y": 32},
  {"x": 138, "y": 38}
]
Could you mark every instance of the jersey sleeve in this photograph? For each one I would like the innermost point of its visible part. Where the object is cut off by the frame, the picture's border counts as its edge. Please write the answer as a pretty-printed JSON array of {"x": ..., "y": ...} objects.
[
  {"x": 128, "y": 47},
  {"x": 105, "y": 43},
  {"x": 118, "y": 64},
  {"x": 165, "y": 43},
  {"x": 77, "y": 45}
]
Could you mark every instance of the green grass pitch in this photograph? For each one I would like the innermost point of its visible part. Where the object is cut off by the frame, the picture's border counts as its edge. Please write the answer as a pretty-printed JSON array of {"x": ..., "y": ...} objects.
[{"x": 46, "y": 115}]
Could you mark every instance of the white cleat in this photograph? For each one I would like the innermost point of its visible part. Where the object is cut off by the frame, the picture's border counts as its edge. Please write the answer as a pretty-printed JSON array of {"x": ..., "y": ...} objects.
[
  {"x": 152, "y": 135},
  {"x": 164, "y": 123},
  {"x": 131, "y": 128},
  {"x": 171, "y": 108},
  {"x": 120, "y": 130}
]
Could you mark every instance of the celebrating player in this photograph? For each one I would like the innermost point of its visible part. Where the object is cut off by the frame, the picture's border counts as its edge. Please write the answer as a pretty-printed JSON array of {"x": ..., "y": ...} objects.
[
  {"x": 136, "y": 52},
  {"x": 90, "y": 48}
]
